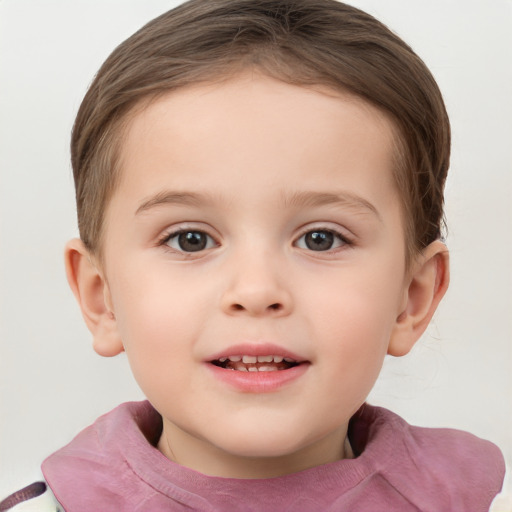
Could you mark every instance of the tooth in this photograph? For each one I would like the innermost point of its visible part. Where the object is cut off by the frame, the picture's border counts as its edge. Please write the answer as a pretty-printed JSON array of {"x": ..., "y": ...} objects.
[
  {"x": 289, "y": 360},
  {"x": 235, "y": 359},
  {"x": 249, "y": 359},
  {"x": 223, "y": 359},
  {"x": 278, "y": 359},
  {"x": 267, "y": 369},
  {"x": 264, "y": 359},
  {"x": 253, "y": 369},
  {"x": 241, "y": 368}
]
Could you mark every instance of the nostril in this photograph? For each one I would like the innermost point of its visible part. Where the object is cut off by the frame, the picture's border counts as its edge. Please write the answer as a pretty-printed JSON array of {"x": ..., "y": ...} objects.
[{"x": 273, "y": 307}]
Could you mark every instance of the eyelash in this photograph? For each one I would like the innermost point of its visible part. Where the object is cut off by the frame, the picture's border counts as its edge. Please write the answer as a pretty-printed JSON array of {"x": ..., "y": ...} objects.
[
  {"x": 164, "y": 241},
  {"x": 343, "y": 240}
]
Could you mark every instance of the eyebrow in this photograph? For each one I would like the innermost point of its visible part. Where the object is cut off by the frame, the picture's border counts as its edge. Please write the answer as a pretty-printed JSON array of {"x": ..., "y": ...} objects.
[
  {"x": 170, "y": 197},
  {"x": 296, "y": 199},
  {"x": 345, "y": 199}
]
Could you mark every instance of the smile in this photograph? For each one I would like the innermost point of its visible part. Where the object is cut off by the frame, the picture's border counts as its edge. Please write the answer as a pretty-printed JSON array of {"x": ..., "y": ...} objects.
[{"x": 261, "y": 363}]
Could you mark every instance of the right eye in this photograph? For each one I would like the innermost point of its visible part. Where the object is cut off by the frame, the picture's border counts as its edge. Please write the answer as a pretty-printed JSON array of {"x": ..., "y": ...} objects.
[{"x": 189, "y": 241}]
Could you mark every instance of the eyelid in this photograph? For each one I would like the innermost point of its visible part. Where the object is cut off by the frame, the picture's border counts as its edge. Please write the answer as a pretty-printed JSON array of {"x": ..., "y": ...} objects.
[
  {"x": 343, "y": 234},
  {"x": 185, "y": 227}
]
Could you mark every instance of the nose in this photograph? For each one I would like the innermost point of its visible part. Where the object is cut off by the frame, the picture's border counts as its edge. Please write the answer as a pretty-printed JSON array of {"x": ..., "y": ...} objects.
[{"x": 256, "y": 287}]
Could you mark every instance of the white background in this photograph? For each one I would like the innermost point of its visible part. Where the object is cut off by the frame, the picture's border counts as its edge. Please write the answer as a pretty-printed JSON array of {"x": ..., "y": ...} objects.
[{"x": 52, "y": 384}]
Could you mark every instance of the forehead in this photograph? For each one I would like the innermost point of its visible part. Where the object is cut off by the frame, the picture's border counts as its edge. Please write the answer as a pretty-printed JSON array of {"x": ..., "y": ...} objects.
[{"x": 250, "y": 129}]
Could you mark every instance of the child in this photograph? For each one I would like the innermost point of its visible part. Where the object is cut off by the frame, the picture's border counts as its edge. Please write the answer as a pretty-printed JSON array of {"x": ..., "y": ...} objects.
[{"x": 260, "y": 188}]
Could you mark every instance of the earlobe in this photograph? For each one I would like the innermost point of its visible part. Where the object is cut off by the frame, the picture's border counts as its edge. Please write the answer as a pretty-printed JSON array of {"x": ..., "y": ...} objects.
[
  {"x": 93, "y": 296},
  {"x": 427, "y": 285}
]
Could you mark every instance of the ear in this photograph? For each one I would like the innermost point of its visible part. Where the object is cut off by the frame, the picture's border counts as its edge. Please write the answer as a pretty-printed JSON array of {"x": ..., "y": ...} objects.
[
  {"x": 425, "y": 287},
  {"x": 93, "y": 295}
]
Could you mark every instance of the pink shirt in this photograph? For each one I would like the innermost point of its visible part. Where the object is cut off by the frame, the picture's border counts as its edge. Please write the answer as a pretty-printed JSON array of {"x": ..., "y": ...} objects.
[{"x": 113, "y": 465}]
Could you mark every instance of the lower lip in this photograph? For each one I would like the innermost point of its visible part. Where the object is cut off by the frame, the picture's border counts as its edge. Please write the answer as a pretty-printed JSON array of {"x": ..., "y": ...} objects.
[{"x": 258, "y": 382}]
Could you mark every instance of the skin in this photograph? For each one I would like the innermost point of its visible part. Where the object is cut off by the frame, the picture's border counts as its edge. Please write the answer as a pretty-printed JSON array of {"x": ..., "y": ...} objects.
[{"x": 256, "y": 164}]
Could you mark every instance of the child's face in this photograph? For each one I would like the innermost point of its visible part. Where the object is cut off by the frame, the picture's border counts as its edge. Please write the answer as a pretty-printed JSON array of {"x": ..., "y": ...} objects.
[{"x": 255, "y": 218}]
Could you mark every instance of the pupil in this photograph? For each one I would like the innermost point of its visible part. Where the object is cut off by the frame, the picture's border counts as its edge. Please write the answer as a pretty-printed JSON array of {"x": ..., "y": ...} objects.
[
  {"x": 319, "y": 240},
  {"x": 192, "y": 241}
]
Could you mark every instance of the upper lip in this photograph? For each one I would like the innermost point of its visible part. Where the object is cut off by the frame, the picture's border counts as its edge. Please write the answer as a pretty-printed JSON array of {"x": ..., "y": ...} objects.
[{"x": 257, "y": 349}]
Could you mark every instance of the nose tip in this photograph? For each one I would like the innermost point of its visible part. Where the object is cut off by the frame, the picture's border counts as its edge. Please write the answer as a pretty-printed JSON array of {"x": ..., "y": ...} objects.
[{"x": 256, "y": 296}]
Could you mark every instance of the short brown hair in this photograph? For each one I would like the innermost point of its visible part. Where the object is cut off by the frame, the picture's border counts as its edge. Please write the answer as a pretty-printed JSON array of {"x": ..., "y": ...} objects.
[{"x": 303, "y": 42}]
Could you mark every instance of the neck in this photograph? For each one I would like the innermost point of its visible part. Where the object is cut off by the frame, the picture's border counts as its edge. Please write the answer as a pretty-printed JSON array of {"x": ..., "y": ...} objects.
[{"x": 205, "y": 458}]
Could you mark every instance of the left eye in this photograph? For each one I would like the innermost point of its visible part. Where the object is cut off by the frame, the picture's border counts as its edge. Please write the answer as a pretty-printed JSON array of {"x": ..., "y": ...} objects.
[
  {"x": 190, "y": 241},
  {"x": 320, "y": 240}
]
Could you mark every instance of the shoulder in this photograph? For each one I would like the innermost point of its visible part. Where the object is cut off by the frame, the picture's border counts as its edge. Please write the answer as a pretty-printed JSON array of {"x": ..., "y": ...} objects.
[
  {"x": 102, "y": 455},
  {"x": 36, "y": 497},
  {"x": 462, "y": 471},
  {"x": 129, "y": 423}
]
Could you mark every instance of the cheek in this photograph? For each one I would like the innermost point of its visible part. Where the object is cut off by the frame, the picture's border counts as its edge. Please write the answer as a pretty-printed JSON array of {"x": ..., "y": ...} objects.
[
  {"x": 353, "y": 328},
  {"x": 356, "y": 333},
  {"x": 154, "y": 322},
  {"x": 352, "y": 357},
  {"x": 159, "y": 346},
  {"x": 355, "y": 305}
]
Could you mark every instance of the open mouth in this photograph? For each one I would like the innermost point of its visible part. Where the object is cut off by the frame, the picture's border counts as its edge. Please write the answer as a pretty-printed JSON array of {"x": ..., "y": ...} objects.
[{"x": 270, "y": 363}]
